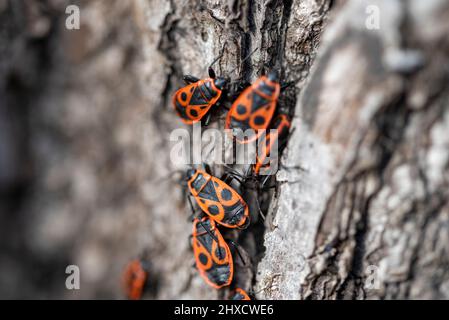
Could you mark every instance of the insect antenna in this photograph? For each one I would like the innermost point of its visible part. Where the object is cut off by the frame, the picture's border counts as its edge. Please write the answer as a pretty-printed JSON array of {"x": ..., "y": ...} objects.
[
  {"x": 236, "y": 246},
  {"x": 193, "y": 209},
  {"x": 244, "y": 59},
  {"x": 219, "y": 57}
]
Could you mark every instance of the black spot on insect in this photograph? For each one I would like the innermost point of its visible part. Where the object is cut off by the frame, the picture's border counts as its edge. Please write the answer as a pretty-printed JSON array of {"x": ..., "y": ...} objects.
[
  {"x": 213, "y": 209},
  {"x": 194, "y": 113},
  {"x": 259, "y": 120},
  {"x": 241, "y": 109},
  {"x": 221, "y": 278},
  {"x": 203, "y": 258},
  {"x": 183, "y": 96},
  {"x": 226, "y": 194},
  {"x": 267, "y": 142},
  {"x": 220, "y": 253}
]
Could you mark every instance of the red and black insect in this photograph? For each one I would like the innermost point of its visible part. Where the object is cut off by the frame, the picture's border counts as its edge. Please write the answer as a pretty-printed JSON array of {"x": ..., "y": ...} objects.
[
  {"x": 212, "y": 255},
  {"x": 282, "y": 126},
  {"x": 239, "y": 294},
  {"x": 193, "y": 102},
  {"x": 135, "y": 278},
  {"x": 215, "y": 197},
  {"x": 254, "y": 108}
]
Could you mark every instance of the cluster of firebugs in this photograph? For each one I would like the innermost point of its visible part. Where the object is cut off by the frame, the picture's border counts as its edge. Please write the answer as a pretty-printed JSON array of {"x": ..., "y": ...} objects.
[{"x": 220, "y": 204}]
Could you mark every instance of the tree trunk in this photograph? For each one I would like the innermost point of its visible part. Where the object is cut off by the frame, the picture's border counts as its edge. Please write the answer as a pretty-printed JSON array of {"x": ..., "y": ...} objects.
[
  {"x": 369, "y": 211},
  {"x": 360, "y": 206}
]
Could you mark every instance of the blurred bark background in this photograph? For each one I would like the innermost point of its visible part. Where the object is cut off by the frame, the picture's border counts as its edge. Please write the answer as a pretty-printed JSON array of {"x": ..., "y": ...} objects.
[{"x": 85, "y": 119}]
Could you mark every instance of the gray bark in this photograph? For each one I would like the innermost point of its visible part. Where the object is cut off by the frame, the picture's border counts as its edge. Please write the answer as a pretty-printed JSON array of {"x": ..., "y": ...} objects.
[
  {"x": 367, "y": 217},
  {"x": 86, "y": 175}
]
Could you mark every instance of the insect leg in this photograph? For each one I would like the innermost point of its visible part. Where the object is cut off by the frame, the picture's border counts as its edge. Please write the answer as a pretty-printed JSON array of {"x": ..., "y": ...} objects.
[
  {"x": 192, "y": 216},
  {"x": 236, "y": 246},
  {"x": 207, "y": 119},
  {"x": 190, "y": 242},
  {"x": 210, "y": 70},
  {"x": 235, "y": 91},
  {"x": 265, "y": 180},
  {"x": 184, "y": 197},
  {"x": 259, "y": 208}
]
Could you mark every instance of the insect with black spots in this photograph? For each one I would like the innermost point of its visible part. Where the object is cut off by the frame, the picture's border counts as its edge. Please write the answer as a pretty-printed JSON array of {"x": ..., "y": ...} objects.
[
  {"x": 194, "y": 101},
  {"x": 218, "y": 199},
  {"x": 135, "y": 279},
  {"x": 212, "y": 254},
  {"x": 253, "y": 110}
]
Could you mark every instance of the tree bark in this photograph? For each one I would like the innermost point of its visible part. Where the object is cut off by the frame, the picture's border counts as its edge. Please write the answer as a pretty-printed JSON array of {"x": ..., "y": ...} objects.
[
  {"x": 360, "y": 208},
  {"x": 367, "y": 217}
]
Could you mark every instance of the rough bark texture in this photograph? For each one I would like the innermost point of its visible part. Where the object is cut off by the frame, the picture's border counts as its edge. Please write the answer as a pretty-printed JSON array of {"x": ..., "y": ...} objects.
[
  {"x": 86, "y": 176},
  {"x": 369, "y": 212}
]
